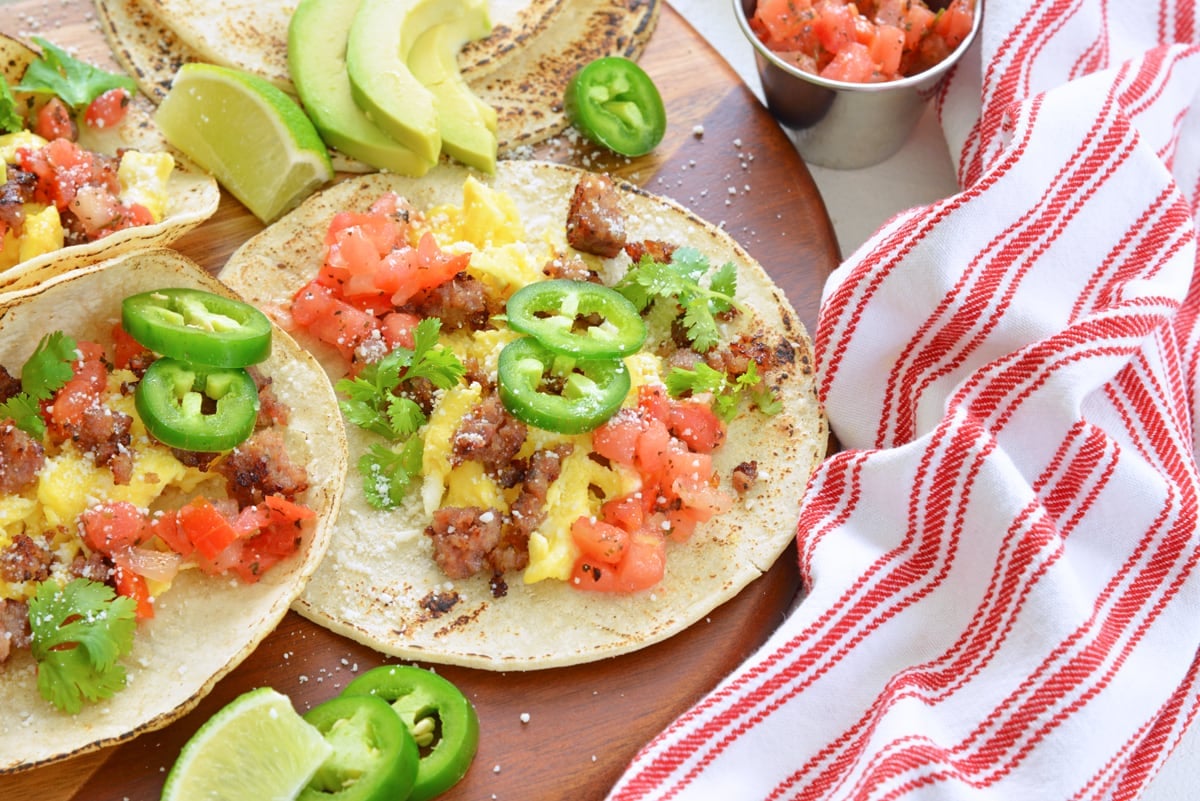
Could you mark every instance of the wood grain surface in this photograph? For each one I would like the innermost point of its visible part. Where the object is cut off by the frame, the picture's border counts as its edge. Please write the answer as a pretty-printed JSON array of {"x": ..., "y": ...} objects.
[{"x": 726, "y": 159}]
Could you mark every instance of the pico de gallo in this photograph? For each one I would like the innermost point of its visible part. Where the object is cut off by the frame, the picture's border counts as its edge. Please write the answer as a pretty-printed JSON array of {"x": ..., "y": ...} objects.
[
  {"x": 54, "y": 191},
  {"x": 547, "y": 431},
  {"x": 102, "y": 504},
  {"x": 864, "y": 41}
]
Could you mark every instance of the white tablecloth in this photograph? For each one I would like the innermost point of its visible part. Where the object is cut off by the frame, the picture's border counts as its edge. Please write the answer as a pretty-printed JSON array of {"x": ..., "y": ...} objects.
[{"x": 859, "y": 201}]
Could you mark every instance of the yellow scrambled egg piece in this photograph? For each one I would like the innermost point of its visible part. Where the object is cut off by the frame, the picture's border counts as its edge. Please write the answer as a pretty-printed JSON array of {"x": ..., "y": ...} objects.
[
  {"x": 9, "y": 143},
  {"x": 143, "y": 178}
]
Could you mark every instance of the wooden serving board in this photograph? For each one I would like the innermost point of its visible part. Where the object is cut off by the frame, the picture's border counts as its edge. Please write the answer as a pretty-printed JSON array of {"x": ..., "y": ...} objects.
[{"x": 556, "y": 734}]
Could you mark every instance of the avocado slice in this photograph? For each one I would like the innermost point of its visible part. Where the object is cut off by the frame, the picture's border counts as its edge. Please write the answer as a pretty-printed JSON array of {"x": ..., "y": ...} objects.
[
  {"x": 317, "y": 41},
  {"x": 466, "y": 123},
  {"x": 382, "y": 34}
]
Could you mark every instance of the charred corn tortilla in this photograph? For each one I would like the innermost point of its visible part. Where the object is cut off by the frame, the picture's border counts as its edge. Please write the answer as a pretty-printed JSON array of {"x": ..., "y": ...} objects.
[
  {"x": 203, "y": 626},
  {"x": 379, "y": 584},
  {"x": 192, "y": 195},
  {"x": 252, "y": 36},
  {"x": 522, "y": 69}
]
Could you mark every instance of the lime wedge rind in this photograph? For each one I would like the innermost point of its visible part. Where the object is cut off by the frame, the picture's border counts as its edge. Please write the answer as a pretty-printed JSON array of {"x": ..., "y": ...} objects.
[
  {"x": 256, "y": 748},
  {"x": 252, "y": 137}
]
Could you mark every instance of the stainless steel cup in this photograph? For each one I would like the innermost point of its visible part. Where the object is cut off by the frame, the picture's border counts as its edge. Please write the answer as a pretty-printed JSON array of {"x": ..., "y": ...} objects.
[{"x": 839, "y": 124}]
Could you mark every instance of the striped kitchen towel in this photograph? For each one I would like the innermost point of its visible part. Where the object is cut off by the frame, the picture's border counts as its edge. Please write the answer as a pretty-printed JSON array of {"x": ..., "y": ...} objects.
[{"x": 1001, "y": 565}]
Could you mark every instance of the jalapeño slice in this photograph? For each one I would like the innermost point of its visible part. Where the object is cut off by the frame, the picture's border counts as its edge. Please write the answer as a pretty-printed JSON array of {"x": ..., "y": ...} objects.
[
  {"x": 559, "y": 393},
  {"x": 437, "y": 714},
  {"x": 614, "y": 103},
  {"x": 196, "y": 326},
  {"x": 374, "y": 756},
  {"x": 577, "y": 318},
  {"x": 197, "y": 408}
]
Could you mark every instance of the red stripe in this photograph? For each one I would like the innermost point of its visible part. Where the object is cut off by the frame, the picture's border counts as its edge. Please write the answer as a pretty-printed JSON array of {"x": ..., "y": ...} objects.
[{"x": 1005, "y": 260}]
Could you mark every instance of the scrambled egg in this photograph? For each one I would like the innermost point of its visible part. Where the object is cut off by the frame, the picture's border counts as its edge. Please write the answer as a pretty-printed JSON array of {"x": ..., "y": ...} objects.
[
  {"x": 71, "y": 482},
  {"x": 489, "y": 227},
  {"x": 143, "y": 179}
]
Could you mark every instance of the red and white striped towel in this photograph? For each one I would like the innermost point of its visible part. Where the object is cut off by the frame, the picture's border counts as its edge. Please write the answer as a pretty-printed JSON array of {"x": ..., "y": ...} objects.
[{"x": 1002, "y": 565}]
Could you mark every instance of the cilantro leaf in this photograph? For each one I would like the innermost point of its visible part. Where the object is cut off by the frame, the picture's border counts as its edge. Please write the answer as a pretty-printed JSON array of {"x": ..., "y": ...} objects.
[
  {"x": 680, "y": 282},
  {"x": 10, "y": 120},
  {"x": 26, "y": 414},
  {"x": 48, "y": 368},
  {"x": 75, "y": 82},
  {"x": 387, "y": 474},
  {"x": 439, "y": 365},
  {"x": 79, "y": 632},
  {"x": 701, "y": 326},
  {"x": 373, "y": 402},
  {"x": 726, "y": 394},
  {"x": 724, "y": 284}
]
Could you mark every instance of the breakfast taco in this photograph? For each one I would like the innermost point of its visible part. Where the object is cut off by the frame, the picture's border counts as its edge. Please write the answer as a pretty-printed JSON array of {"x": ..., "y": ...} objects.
[
  {"x": 87, "y": 177},
  {"x": 521, "y": 69},
  {"x": 170, "y": 465},
  {"x": 581, "y": 416}
]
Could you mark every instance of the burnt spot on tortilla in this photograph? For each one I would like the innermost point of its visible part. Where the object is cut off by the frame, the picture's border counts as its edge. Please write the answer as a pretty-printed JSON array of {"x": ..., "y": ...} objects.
[
  {"x": 498, "y": 586},
  {"x": 785, "y": 353},
  {"x": 467, "y": 621},
  {"x": 439, "y": 603}
]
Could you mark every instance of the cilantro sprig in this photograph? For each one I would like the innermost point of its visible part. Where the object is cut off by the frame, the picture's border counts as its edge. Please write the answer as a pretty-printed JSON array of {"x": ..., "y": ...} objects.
[
  {"x": 44, "y": 373},
  {"x": 79, "y": 631},
  {"x": 680, "y": 281},
  {"x": 10, "y": 120},
  {"x": 77, "y": 83},
  {"x": 726, "y": 393},
  {"x": 374, "y": 403}
]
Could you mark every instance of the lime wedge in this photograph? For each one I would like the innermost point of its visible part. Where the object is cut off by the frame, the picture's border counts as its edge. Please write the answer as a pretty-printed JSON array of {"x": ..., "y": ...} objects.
[
  {"x": 251, "y": 136},
  {"x": 257, "y": 748}
]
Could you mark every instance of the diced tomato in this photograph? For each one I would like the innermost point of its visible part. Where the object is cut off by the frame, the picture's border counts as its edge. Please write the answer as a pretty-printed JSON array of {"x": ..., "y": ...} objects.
[
  {"x": 850, "y": 41},
  {"x": 916, "y": 22},
  {"x": 686, "y": 466},
  {"x": 625, "y": 512},
  {"x": 652, "y": 448},
  {"x": 125, "y": 347},
  {"x": 209, "y": 531},
  {"x": 642, "y": 567},
  {"x": 654, "y": 401},
  {"x": 62, "y": 167},
  {"x": 681, "y": 523},
  {"x": 107, "y": 109},
  {"x": 332, "y": 320},
  {"x": 114, "y": 525},
  {"x": 434, "y": 268},
  {"x": 64, "y": 413},
  {"x": 616, "y": 439},
  {"x": 852, "y": 64},
  {"x": 54, "y": 121},
  {"x": 954, "y": 23},
  {"x": 166, "y": 527},
  {"x": 355, "y": 256},
  {"x": 131, "y": 585},
  {"x": 835, "y": 26},
  {"x": 279, "y": 538},
  {"x": 886, "y": 49},
  {"x": 599, "y": 541},
  {"x": 696, "y": 424},
  {"x": 397, "y": 329},
  {"x": 786, "y": 25},
  {"x": 251, "y": 519}
]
